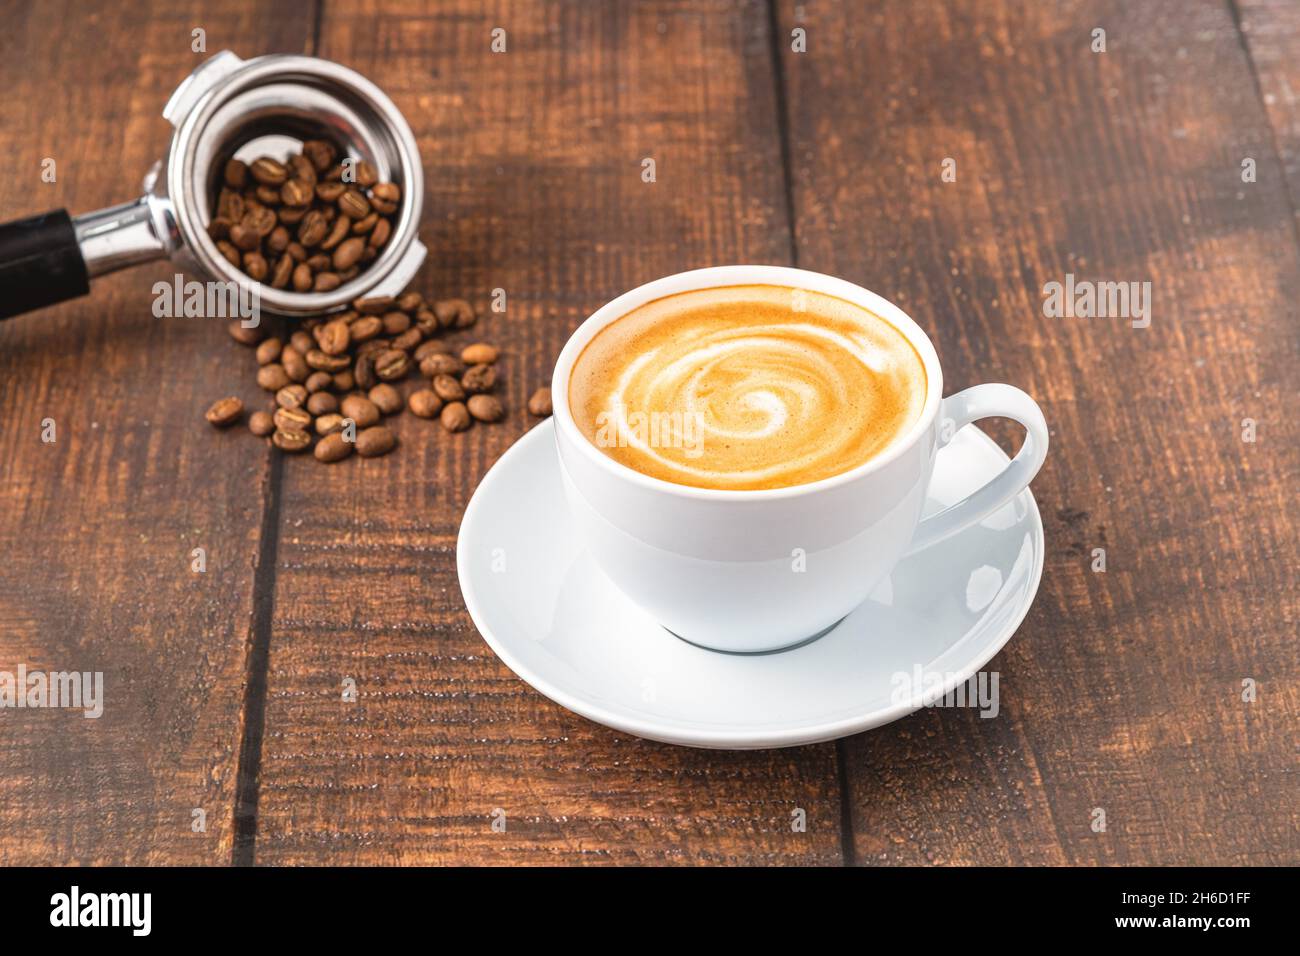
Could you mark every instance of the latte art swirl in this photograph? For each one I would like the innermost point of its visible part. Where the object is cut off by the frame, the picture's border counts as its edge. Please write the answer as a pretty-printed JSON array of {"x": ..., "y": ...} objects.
[{"x": 746, "y": 387}]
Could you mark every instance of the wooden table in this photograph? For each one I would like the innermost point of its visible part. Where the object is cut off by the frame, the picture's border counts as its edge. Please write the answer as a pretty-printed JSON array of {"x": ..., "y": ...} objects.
[{"x": 1123, "y": 689}]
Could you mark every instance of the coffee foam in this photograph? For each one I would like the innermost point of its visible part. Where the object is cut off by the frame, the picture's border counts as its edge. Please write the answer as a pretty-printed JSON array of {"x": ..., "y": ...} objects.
[{"x": 746, "y": 387}]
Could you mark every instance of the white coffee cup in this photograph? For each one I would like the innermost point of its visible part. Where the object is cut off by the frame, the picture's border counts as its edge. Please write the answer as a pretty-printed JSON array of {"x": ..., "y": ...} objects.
[{"x": 749, "y": 571}]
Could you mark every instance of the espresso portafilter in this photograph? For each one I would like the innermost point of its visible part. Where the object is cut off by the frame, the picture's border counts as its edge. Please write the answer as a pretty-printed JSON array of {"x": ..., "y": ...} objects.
[{"x": 227, "y": 108}]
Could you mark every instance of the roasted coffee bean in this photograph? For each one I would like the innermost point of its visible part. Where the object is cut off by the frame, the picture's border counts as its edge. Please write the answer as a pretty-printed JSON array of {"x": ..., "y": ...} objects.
[
  {"x": 392, "y": 365},
  {"x": 539, "y": 403},
  {"x": 329, "y": 423},
  {"x": 408, "y": 339},
  {"x": 327, "y": 363},
  {"x": 321, "y": 152},
  {"x": 296, "y": 193},
  {"x": 366, "y": 328},
  {"x": 486, "y": 408},
  {"x": 367, "y": 175},
  {"x": 330, "y": 192},
  {"x": 363, "y": 226},
  {"x": 302, "y": 168},
  {"x": 338, "y": 232},
  {"x": 455, "y": 417},
  {"x": 386, "y": 398},
  {"x": 262, "y": 221},
  {"x": 278, "y": 240},
  {"x": 376, "y": 441},
  {"x": 432, "y": 347},
  {"x": 333, "y": 447},
  {"x": 379, "y": 235},
  {"x": 267, "y": 196},
  {"x": 230, "y": 206},
  {"x": 295, "y": 366},
  {"x": 291, "y": 396},
  {"x": 225, "y": 411},
  {"x": 424, "y": 403},
  {"x": 448, "y": 389},
  {"x": 236, "y": 174},
  {"x": 318, "y": 382},
  {"x": 431, "y": 366},
  {"x": 364, "y": 371},
  {"x": 291, "y": 440},
  {"x": 283, "y": 272},
  {"x": 230, "y": 252},
  {"x": 255, "y": 266},
  {"x": 322, "y": 403},
  {"x": 348, "y": 252},
  {"x": 479, "y": 378},
  {"x": 268, "y": 351},
  {"x": 316, "y": 376},
  {"x": 480, "y": 353},
  {"x": 295, "y": 362},
  {"x": 244, "y": 335},
  {"x": 272, "y": 377},
  {"x": 268, "y": 172},
  {"x": 259, "y": 208},
  {"x": 455, "y": 313},
  {"x": 354, "y": 205},
  {"x": 261, "y": 424},
  {"x": 375, "y": 305},
  {"x": 292, "y": 419},
  {"x": 245, "y": 238},
  {"x": 361, "y": 410},
  {"x": 335, "y": 337},
  {"x": 313, "y": 228}
]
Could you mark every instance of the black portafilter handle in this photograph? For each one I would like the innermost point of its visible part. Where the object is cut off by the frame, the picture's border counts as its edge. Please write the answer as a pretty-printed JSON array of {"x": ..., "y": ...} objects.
[{"x": 40, "y": 263}]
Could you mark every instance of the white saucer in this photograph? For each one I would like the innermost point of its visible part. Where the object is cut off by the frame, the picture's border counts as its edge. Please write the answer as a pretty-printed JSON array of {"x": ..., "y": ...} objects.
[{"x": 557, "y": 621}]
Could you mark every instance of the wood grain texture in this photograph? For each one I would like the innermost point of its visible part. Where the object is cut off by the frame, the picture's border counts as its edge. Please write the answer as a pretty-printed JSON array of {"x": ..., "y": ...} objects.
[
  {"x": 1122, "y": 690},
  {"x": 1270, "y": 30},
  {"x": 533, "y": 161},
  {"x": 97, "y": 528}
]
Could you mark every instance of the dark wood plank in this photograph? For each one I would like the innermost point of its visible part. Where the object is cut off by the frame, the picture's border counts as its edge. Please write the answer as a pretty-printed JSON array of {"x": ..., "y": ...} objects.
[
  {"x": 533, "y": 161},
  {"x": 1122, "y": 690},
  {"x": 1271, "y": 31},
  {"x": 96, "y": 529}
]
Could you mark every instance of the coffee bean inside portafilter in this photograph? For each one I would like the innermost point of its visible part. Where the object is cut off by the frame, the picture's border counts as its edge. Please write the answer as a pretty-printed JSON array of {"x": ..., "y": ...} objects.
[
  {"x": 335, "y": 379},
  {"x": 308, "y": 223}
]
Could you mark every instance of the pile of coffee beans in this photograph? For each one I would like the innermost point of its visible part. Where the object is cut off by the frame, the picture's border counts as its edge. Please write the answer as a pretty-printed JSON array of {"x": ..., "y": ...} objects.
[
  {"x": 308, "y": 224},
  {"x": 335, "y": 377}
]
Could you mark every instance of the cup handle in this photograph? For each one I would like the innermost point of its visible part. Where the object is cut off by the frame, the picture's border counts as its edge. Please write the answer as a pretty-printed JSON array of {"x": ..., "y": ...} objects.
[{"x": 972, "y": 404}]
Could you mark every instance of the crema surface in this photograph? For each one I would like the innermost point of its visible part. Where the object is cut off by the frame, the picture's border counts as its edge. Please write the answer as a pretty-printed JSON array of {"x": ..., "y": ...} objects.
[{"x": 746, "y": 387}]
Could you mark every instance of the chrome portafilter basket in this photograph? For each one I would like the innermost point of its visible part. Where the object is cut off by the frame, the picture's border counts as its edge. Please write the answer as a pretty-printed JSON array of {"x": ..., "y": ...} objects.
[{"x": 227, "y": 108}]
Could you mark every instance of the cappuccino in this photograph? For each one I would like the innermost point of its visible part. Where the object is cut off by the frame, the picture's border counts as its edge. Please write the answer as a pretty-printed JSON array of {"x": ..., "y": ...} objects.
[{"x": 746, "y": 387}]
